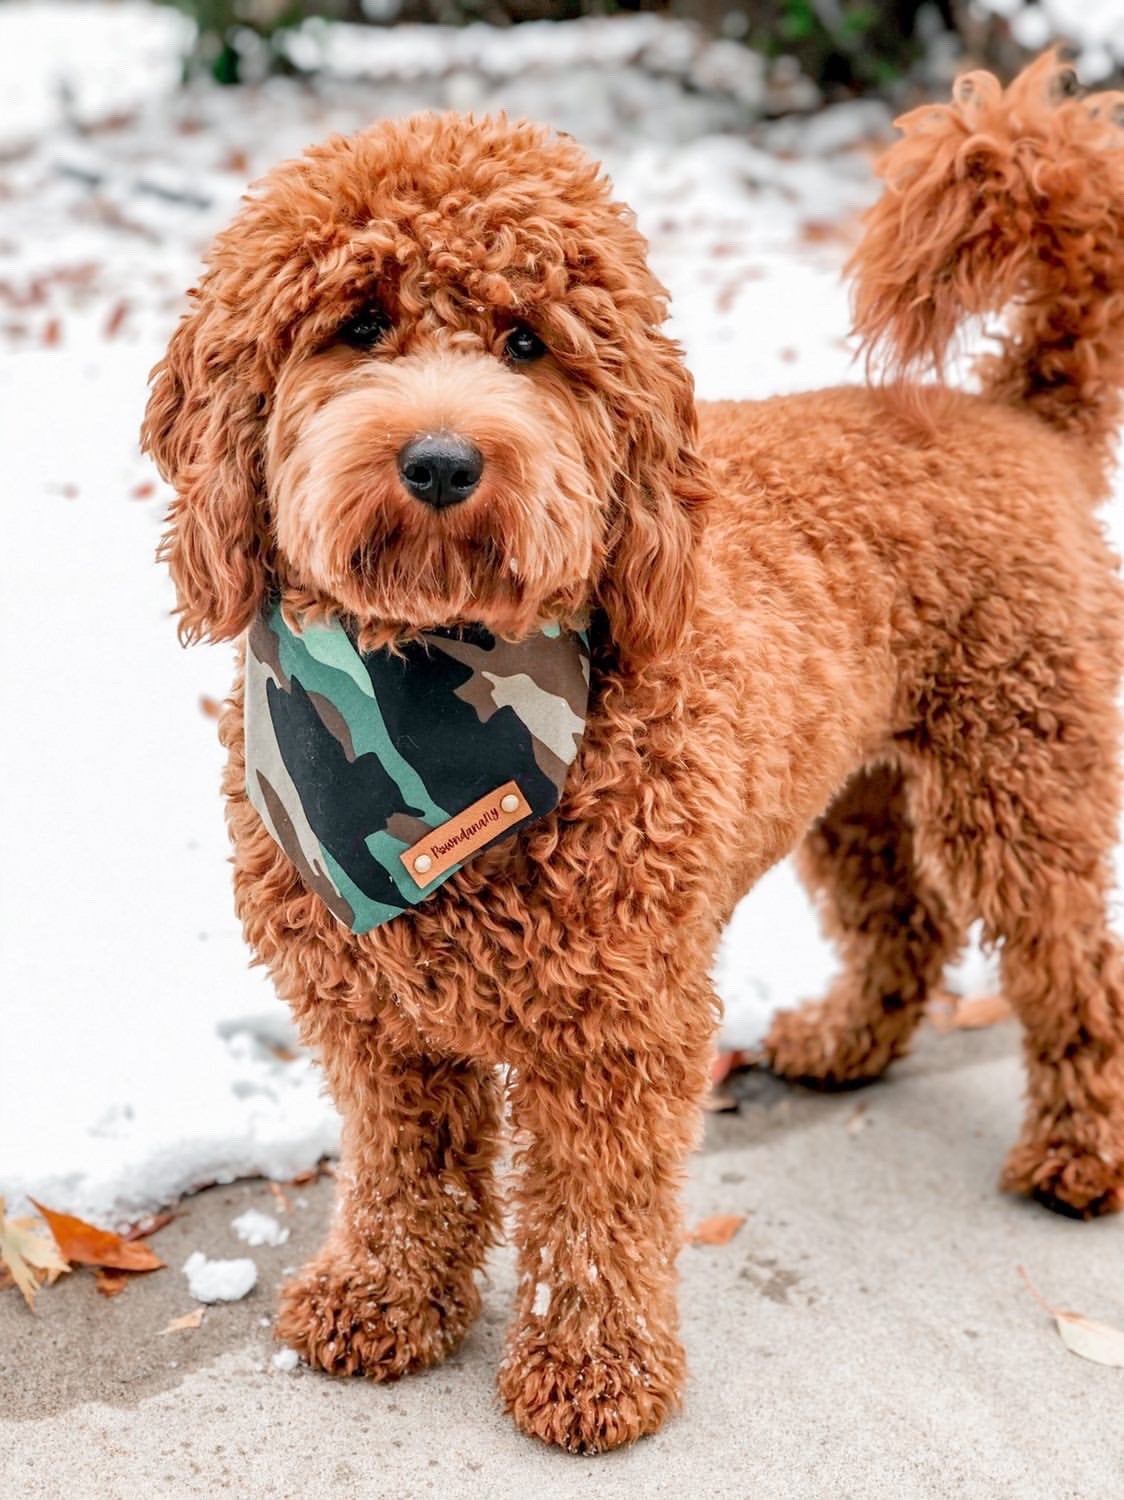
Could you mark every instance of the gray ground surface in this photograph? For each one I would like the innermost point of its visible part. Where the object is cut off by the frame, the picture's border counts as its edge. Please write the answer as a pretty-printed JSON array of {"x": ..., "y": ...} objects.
[{"x": 865, "y": 1334}]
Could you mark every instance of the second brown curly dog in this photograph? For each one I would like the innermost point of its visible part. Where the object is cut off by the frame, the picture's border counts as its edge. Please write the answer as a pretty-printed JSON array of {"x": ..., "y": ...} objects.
[{"x": 881, "y": 625}]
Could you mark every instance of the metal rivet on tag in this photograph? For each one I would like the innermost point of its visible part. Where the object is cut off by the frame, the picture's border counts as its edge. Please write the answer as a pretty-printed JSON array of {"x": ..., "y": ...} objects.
[
  {"x": 423, "y": 863},
  {"x": 510, "y": 803}
]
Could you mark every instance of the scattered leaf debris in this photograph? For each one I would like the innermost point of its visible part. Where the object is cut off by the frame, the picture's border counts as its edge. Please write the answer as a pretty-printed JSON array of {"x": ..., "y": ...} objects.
[
  {"x": 726, "y": 1063},
  {"x": 188, "y": 1320},
  {"x": 953, "y": 1013},
  {"x": 719, "y": 1229},
  {"x": 110, "y": 1283},
  {"x": 1100, "y": 1343},
  {"x": 859, "y": 1118},
  {"x": 29, "y": 1257},
  {"x": 149, "y": 1225}
]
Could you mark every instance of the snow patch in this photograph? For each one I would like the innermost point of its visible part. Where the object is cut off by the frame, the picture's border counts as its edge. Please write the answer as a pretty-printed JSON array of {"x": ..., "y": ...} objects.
[
  {"x": 255, "y": 1228},
  {"x": 219, "y": 1280},
  {"x": 286, "y": 1360},
  {"x": 74, "y": 63}
]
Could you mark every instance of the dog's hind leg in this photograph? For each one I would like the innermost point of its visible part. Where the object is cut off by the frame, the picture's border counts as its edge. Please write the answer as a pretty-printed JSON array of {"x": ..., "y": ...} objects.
[
  {"x": 1023, "y": 818},
  {"x": 393, "y": 1288},
  {"x": 893, "y": 929}
]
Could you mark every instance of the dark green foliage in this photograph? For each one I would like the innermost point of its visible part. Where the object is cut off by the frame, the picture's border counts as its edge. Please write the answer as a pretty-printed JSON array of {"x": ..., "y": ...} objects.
[{"x": 845, "y": 45}]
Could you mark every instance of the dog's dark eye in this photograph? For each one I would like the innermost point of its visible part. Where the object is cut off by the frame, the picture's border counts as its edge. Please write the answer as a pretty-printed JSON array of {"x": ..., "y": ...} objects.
[
  {"x": 365, "y": 329},
  {"x": 523, "y": 346}
]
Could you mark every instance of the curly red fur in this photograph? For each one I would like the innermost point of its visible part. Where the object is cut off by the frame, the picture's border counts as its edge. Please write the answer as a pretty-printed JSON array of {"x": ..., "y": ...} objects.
[
  {"x": 1007, "y": 197},
  {"x": 839, "y": 628}
]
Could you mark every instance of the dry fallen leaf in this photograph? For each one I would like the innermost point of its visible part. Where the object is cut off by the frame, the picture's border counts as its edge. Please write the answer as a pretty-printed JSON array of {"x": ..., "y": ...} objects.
[
  {"x": 89, "y": 1246},
  {"x": 25, "y": 1254},
  {"x": 189, "y": 1320},
  {"x": 823, "y": 231},
  {"x": 283, "y": 1204},
  {"x": 110, "y": 1283},
  {"x": 719, "y": 1229},
  {"x": 949, "y": 1013},
  {"x": 988, "y": 1010},
  {"x": 150, "y": 1225},
  {"x": 858, "y": 1119},
  {"x": 116, "y": 320},
  {"x": 726, "y": 1063},
  {"x": 1098, "y": 1342}
]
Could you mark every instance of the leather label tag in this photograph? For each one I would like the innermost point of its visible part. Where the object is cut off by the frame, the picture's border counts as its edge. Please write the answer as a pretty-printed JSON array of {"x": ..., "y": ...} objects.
[{"x": 454, "y": 841}]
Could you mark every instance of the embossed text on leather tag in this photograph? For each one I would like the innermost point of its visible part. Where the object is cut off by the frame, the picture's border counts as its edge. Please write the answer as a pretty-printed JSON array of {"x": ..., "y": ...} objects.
[{"x": 470, "y": 830}]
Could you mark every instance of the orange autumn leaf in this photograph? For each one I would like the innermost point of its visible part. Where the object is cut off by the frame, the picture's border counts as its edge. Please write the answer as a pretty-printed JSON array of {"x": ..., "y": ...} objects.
[
  {"x": 86, "y": 1245},
  {"x": 719, "y": 1229},
  {"x": 948, "y": 1013},
  {"x": 726, "y": 1063},
  {"x": 971, "y": 1015}
]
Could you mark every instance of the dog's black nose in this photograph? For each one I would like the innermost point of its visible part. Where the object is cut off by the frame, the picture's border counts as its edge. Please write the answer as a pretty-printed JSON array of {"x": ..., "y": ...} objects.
[{"x": 440, "y": 469}]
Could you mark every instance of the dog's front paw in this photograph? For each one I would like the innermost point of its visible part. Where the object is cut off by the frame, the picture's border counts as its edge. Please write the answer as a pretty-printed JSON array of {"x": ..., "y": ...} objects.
[
  {"x": 354, "y": 1320},
  {"x": 818, "y": 1045},
  {"x": 590, "y": 1400},
  {"x": 1065, "y": 1177}
]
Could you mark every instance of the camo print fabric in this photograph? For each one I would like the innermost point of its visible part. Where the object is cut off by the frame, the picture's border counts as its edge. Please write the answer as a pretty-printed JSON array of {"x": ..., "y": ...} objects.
[{"x": 352, "y": 758}]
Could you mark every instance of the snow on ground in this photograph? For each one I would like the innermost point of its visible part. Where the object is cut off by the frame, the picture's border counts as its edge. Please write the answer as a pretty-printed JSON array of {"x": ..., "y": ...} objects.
[
  {"x": 255, "y": 1228},
  {"x": 219, "y": 1280},
  {"x": 141, "y": 1056}
]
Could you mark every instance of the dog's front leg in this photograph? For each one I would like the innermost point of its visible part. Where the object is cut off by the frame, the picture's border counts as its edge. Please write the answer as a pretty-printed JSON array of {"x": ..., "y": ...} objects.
[
  {"x": 594, "y": 1358},
  {"x": 393, "y": 1289}
]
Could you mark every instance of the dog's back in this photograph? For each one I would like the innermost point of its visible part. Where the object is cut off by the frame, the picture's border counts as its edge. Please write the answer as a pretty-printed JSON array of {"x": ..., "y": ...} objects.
[{"x": 913, "y": 503}]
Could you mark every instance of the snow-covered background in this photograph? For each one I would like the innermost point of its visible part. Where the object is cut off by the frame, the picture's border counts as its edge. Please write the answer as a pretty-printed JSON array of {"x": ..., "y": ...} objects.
[{"x": 140, "y": 1056}]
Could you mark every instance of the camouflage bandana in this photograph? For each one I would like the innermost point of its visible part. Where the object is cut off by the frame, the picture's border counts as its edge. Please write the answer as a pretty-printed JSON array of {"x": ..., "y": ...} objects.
[{"x": 379, "y": 775}]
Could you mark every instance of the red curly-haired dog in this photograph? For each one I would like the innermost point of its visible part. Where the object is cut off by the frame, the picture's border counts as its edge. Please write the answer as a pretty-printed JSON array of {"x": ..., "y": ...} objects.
[{"x": 878, "y": 624}]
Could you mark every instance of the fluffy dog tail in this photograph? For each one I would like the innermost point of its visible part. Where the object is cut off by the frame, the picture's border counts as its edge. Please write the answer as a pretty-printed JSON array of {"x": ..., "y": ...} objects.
[{"x": 1005, "y": 197}]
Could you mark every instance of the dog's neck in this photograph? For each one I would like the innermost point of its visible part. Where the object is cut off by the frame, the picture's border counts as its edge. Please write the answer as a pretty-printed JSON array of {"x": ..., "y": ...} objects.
[{"x": 380, "y": 772}]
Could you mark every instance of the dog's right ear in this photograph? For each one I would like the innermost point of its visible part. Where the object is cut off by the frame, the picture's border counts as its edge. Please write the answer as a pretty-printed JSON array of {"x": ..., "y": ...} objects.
[{"x": 204, "y": 428}]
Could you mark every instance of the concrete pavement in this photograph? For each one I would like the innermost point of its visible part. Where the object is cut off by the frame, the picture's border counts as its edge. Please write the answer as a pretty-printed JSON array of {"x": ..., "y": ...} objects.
[{"x": 865, "y": 1334}]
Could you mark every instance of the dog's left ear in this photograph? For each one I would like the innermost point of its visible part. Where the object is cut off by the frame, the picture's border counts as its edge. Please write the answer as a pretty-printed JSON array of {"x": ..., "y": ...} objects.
[
  {"x": 203, "y": 426},
  {"x": 648, "y": 586}
]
